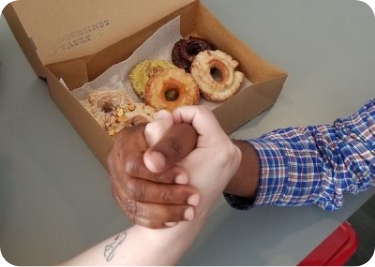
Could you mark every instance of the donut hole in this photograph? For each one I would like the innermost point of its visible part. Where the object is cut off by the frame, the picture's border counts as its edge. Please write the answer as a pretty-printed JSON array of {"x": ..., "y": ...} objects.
[
  {"x": 172, "y": 94},
  {"x": 216, "y": 74},
  {"x": 219, "y": 71},
  {"x": 107, "y": 107}
]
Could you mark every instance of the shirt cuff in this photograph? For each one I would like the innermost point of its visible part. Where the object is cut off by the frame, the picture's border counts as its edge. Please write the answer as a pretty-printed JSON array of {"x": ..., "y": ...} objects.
[{"x": 273, "y": 166}]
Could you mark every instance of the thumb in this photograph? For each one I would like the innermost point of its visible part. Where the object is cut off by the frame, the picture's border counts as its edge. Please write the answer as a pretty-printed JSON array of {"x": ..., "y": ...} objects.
[
  {"x": 175, "y": 145},
  {"x": 156, "y": 129}
]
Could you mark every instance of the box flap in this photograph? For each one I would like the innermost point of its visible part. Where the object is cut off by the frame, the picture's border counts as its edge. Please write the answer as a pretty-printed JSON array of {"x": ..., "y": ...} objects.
[{"x": 59, "y": 30}]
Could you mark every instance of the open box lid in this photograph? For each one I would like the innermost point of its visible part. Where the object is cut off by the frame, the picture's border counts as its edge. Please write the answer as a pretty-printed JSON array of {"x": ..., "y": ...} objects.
[{"x": 50, "y": 31}]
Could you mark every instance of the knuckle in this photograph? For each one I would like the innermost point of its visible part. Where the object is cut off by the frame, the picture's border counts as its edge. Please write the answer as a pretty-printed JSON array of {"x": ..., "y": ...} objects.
[
  {"x": 131, "y": 208},
  {"x": 129, "y": 187},
  {"x": 134, "y": 166},
  {"x": 167, "y": 197},
  {"x": 134, "y": 188},
  {"x": 129, "y": 215},
  {"x": 165, "y": 177}
]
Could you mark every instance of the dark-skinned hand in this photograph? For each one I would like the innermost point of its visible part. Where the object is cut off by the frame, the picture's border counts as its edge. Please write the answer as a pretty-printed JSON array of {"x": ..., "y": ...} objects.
[{"x": 153, "y": 200}]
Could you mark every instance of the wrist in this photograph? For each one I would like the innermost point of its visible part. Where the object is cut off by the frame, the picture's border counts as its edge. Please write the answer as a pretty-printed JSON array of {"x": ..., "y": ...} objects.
[{"x": 245, "y": 181}]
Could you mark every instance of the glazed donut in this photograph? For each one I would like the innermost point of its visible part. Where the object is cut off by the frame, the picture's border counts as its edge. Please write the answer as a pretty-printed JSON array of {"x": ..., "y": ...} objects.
[
  {"x": 140, "y": 74},
  {"x": 171, "y": 88},
  {"x": 184, "y": 51},
  {"x": 215, "y": 75}
]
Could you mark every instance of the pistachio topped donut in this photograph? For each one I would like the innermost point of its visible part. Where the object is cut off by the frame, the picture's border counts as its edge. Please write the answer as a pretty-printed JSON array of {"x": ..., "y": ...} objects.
[
  {"x": 171, "y": 88},
  {"x": 140, "y": 74},
  {"x": 185, "y": 50},
  {"x": 214, "y": 72}
]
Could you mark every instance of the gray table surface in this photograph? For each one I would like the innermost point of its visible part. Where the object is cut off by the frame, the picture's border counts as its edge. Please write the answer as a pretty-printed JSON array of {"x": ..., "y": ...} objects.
[{"x": 55, "y": 197}]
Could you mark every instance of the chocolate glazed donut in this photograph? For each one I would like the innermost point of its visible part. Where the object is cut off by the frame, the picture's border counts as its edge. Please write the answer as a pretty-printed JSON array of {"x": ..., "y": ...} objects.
[{"x": 184, "y": 51}]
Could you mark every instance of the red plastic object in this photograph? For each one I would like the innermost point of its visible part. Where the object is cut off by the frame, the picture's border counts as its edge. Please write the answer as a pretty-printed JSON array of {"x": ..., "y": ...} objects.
[{"x": 335, "y": 250}]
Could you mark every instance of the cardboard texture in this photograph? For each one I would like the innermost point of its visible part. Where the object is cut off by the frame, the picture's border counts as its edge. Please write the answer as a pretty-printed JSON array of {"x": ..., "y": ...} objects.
[
  {"x": 51, "y": 31},
  {"x": 52, "y": 42}
]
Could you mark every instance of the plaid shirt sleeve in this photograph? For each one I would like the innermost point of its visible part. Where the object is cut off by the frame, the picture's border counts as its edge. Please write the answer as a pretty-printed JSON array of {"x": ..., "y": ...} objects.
[{"x": 315, "y": 164}]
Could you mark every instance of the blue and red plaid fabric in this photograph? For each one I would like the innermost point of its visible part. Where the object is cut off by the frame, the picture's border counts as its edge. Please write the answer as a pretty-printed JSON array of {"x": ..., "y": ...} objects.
[{"x": 315, "y": 164}]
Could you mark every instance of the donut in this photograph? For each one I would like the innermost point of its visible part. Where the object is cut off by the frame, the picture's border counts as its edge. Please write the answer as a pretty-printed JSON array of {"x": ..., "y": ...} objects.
[
  {"x": 171, "y": 88},
  {"x": 214, "y": 72},
  {"x": 140, "y": 74},
  {"x": 97, "y": 114},
  {"x": 184, "y": 51},
  {"x": 128, "y": 116},
  {"x": 101, "y": 102},
  {"x": 106, "y": 100},
  {"x": 115, "y": 109}
]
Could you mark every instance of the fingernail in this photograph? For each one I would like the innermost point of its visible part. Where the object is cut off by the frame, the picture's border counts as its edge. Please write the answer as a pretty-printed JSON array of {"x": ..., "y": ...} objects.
[
  {"x": 157, "y": 159},
  {"x": 193, "y": 200},
  {"x": 170, "y": 224},
  {"x": 189, "y": 214},
  {"x": 181, "y": 179}
]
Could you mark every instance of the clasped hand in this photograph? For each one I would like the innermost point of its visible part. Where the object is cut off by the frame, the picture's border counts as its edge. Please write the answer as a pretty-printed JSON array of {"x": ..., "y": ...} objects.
[{"x": 172, "y": 169}]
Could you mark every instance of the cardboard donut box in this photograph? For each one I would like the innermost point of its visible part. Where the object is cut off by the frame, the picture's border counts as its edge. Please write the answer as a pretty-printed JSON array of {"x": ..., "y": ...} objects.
[{"x": 77, "y": 40}]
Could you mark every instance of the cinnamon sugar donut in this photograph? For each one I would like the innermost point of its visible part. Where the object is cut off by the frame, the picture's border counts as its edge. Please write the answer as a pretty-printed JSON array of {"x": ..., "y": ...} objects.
[
  {"x": 185, "y": 50},
  {"x": 171, "y": 88},
  {"x": 215, "y": 75}
]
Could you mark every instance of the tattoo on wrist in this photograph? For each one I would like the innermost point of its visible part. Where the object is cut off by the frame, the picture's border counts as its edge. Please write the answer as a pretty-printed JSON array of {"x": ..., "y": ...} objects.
[{"x": 110, "y": 249}]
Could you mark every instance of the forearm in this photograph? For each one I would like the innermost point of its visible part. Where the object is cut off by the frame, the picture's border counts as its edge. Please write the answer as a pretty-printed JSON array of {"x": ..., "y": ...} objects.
[
  {"x": 312, "y": 165},
  {"x": 143, "y": 246}
]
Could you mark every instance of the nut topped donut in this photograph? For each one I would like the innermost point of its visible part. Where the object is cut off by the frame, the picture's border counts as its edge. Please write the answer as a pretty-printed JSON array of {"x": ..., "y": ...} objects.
[
  {"x": 214, "y": 72},
  {"x": 115, "y": 110},
  {"x": 100, "y": 103},
  {"x": 140, "y": 74},
  {"x": 106, "y": 100},
  {"x": 128, "y": 116},
  {"x": 171, "y": 88},
  {"x": 185, "y": 50}
]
